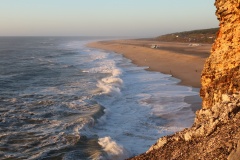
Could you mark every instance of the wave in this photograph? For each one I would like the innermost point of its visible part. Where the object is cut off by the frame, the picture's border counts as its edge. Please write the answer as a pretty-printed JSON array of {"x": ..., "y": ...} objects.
[
  {"x": 113, "y": 150},
  {"x": 112, "y": 84}
]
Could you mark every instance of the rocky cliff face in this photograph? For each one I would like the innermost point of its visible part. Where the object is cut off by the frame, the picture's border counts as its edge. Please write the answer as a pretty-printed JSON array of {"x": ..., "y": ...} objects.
[
  {"x": 215, "y": 133},
  {"x": 221, "y": 71}
]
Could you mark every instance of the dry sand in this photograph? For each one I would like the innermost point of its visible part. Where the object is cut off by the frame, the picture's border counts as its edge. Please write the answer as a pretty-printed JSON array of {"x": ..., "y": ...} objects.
[{"x": 177, "y": 59}]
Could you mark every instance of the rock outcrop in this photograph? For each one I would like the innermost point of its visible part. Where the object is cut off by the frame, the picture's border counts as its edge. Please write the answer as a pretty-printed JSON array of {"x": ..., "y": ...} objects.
[
  {"x": 215, "y": 133},
  {"x": 221, "y": 71}
]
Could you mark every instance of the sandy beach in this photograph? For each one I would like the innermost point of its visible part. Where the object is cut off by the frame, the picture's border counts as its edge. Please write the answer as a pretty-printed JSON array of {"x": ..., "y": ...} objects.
[{"x": 181, "y": 60}]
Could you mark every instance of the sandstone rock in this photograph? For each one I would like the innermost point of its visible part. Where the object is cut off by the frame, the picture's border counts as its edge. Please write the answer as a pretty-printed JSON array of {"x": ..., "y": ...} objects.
[
  {"x": 225, "y": 98},
  {"x": 235, "y": 154},
  {"x": 221, "y": 71},
  {"x": 160, "y": 143}
]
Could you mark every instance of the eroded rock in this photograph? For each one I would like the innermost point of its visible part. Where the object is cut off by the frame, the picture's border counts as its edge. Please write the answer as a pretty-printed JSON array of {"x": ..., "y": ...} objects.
[{"x": 221, "y": 70}]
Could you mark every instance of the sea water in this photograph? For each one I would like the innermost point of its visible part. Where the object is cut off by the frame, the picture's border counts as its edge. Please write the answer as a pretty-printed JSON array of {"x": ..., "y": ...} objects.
[{"x": 62, "y": 100}]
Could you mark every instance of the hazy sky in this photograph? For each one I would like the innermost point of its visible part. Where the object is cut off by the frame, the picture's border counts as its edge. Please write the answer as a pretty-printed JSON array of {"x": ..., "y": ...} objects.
[{"x": 142, "y": 18}]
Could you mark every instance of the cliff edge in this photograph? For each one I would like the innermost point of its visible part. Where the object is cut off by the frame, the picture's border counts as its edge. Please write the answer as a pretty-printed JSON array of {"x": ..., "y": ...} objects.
[{"x": 215, "y": 133}]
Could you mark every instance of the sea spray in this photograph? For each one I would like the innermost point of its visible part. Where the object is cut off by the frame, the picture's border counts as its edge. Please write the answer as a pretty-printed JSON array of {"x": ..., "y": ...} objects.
[{"x": 113, "y": 150}]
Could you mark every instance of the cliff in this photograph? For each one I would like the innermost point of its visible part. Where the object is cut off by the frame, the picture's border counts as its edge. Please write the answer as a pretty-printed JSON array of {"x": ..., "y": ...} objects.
[
  {"x": 215, "y": 133},
  {"x": 221, "y": 71}
]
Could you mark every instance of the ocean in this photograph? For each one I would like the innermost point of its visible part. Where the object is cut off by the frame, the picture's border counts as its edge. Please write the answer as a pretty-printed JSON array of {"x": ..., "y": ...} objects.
[{"x": 62, "y": 100}]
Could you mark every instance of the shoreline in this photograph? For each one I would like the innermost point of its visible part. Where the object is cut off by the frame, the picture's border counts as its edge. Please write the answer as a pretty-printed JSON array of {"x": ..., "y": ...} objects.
[{"x": 181, "y": 60}]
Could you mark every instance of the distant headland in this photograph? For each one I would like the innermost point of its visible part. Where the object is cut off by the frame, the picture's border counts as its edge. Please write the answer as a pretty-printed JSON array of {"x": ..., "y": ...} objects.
[{"x": 194, "y": 36}]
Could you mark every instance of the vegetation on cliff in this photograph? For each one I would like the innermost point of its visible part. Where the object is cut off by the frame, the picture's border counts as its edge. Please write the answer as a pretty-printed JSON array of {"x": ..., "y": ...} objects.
[{"x": 195, "y": 36}]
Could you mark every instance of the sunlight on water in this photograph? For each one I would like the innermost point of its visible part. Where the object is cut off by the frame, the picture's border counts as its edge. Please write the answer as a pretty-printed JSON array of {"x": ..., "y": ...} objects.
[{"x": 61, "y": 100}]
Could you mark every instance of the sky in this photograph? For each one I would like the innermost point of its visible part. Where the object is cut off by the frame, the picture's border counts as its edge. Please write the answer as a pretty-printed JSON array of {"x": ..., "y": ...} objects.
[{"x": 140, "y": 18}]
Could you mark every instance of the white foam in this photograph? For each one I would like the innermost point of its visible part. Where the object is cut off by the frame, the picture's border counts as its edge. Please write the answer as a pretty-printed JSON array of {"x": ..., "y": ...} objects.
[
  {"x": 112, "y": 84},
  {"x": 113, "y": 150},
  {"x": 109, "y": 89},
  {"x": 111, "y": 80},
  {"x": 140, "y": 106},
  {"x": 107, "y": 68},
  {"x": 151, "y": 105},
  {"x": 116, "y": 72},
  {"x": 103, "y": 119}
]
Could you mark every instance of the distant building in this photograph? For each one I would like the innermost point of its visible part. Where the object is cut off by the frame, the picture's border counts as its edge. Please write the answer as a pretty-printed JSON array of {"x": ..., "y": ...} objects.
[
  {"x": 154, "y": 46},
  {"x": 194, "y": 44}
]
